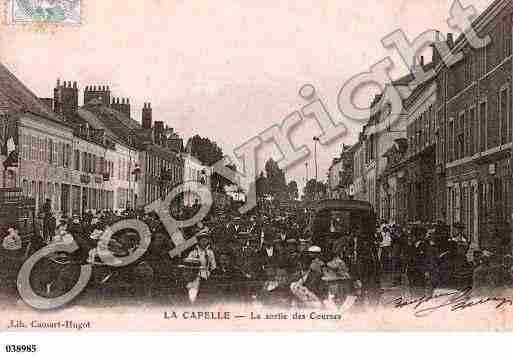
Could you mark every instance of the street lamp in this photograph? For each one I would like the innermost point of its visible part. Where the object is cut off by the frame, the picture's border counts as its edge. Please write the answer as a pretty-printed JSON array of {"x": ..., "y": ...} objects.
[{"x": 315, "y": 139}]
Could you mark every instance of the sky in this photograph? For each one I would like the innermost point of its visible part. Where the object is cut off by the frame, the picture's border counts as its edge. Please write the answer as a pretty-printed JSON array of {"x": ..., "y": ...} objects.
[{"x": 225, "y": 69}]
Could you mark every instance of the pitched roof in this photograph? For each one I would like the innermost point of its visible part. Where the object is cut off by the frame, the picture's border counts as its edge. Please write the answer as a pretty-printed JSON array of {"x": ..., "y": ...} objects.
[
  {"x": 408, "y": 78},
  {"x": 418, "y": 91},
  {"x": 115, "y": 123},
  {"x": 4, "y": 104},
  {"x": 16, "y": 96}
]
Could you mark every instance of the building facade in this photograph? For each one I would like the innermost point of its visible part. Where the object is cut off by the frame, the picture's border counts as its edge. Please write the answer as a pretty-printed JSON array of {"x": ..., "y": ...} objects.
[
  {"x": 340, "y": 174},
  {"x": 475, "y": 122},
  {"x": 358, "y": 186},
  {"x": 422, "y": 181},
  {"x": 85, "y": 158},
  {"x": 194, "y": 171},
  {"x": 407, "y": 181}
]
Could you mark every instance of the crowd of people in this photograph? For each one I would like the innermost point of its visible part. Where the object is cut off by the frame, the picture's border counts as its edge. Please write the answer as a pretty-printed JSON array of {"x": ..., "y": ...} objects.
[
  {"x": 273, "y": 258},
  {"x": 430, "y": 257}
]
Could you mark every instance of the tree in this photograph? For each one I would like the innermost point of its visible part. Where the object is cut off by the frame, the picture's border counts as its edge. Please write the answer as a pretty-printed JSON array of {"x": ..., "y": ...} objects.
[
  {"x": 292, "y": 190},
  {"x": 276, "y": 179},
  {"x": 209, "y": 153},
  {"x": 314, "y": 190},
  {"x": 262, "y": 186},
  {"x": 205, "y": 150}
]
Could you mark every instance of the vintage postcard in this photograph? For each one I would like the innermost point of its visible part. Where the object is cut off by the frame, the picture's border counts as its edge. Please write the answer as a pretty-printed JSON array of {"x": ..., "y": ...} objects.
[{"x": 265, "y": 166}]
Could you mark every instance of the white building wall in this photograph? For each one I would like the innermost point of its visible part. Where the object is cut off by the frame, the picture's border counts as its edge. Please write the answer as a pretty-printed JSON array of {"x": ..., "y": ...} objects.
[
  {"x": 41, "y": 174},
  {"x": 194, "y": 170}
]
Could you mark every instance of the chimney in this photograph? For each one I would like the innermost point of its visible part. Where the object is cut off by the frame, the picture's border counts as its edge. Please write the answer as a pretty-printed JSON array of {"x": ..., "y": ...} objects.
[
  {"x": 159, "y": 132},
  {"x": 65, "y": 98},
  {"x": 97, "y": 92},
  {"x": 123, "y": 106},
  {"x": 435, "y": 55},
  {"x": 146, "y": 116},
  {"x": 450, "y": 40}
]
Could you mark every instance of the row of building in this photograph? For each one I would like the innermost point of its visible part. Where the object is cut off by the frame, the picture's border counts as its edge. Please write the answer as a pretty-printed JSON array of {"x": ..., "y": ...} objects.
[
  {"x": 448, "y": 155},
  {"x": 90, "y": 157}
]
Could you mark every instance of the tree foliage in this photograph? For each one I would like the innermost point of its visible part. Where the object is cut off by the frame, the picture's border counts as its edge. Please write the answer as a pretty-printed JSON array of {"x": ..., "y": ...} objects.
[
  {"x": 262, "y": 186},
  {"x": 314, "y": 190},
  {"x": 276, "y": 179},
  {"x": 209, "y": 153},
  {"x": 206, "y": 150},
  {"x": 292, "y": 190}
]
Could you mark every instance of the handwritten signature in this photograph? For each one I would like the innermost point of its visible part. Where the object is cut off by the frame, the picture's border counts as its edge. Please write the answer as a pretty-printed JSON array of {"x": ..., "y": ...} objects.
[{"x": 455, "y": 300}]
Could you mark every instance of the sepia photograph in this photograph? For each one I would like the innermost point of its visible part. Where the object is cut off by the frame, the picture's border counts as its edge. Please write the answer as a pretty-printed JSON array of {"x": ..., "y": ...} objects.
[{"x": 255, "y": 166}]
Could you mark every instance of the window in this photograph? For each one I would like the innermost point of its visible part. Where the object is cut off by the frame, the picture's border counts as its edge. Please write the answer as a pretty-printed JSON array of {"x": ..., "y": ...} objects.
[
  {"x": 68, "y": 156},
  {"x": 483, "y": 119},
  {"x": 55, "y": 154},
  {"x": 58, "y": 146},
  {"x": 431, "y": 125},
  {"x": 507, "y": 37},
  {"x": 50, "y": 151},
  {"x": 504, "y": 116},
  {"x": 469, "y": 76},
  {"x": 94, "y": 169},
  {"x": 473, "y": 130},
  {"x": 468, "y": 140},
  {"x": 461, "y": 136},
  {"x": 89, "y": 162},
  {"x": 33, "y": 148},
  {"x": 24, "y": 150},
  {"x": 25, "y": 188},
  {"x": 482, "y": 61},
  {"x": 84, "y": 162},
  {"x": 26, "y": 147},
  {"x": 450, "y": 141},
  {"x": 76, "y": 161},
  {"x": 45, "y": 150},
  {"x": 500, "y": 43},
  {"x": 40, "y": 149}
]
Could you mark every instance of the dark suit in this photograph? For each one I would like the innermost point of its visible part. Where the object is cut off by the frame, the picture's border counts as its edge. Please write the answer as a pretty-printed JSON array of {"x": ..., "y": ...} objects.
[{"x": 266, "y": 260}]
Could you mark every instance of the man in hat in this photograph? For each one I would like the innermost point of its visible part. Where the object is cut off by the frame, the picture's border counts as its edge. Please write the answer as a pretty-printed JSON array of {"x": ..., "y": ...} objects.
[
  {"x": 458, "y": 233},
  {"x": 487, "y": 276},
  {"x": 269, "y": 254},
  {"x": 250, "y": 258},
  {"x": 290, "y": 257},
  {"x": 303, "y": 245},
  {"x": 48, "y": 220},
  {"x": 226, "y": 280},
  {"x": 417, "y": 252},
  {"x": 453, "y": 271},
  {"x": 190, "y": 278},
  {"x": 304, "y": 258},
  {"x": 205, "y": 255},
  {"x": 385, "y": 249}
]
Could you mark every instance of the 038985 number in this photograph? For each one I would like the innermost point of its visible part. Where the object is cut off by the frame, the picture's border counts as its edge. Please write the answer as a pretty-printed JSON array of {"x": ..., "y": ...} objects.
[{"x": 21, "y": 348}]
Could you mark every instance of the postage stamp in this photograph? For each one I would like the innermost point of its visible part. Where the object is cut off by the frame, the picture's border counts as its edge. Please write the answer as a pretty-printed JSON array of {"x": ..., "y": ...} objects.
[
  {"x": 170, "y": 166},
  {"x": 44, "y": 11}
]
